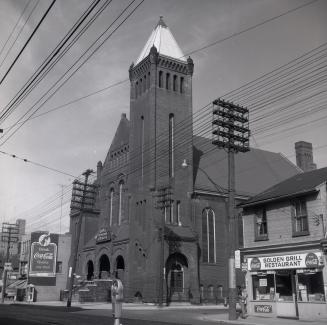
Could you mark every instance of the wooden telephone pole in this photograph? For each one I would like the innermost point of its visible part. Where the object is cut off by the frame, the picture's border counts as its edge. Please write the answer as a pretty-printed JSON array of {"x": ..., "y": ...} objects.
[
  {"x": 164, "y": 200},
  {"x": 10, "y": 233},
  {"x": 231, "y": 132},
  {"x": 80, "y": 201}
]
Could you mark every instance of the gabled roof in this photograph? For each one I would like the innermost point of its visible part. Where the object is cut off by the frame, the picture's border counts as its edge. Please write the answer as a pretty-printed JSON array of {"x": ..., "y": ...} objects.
[
  {"x": 121, "y": 137},
  {"x": 255, "y": 170},
  {"x": 294, "y": 186},
  {"x": 164, "y": 41}
]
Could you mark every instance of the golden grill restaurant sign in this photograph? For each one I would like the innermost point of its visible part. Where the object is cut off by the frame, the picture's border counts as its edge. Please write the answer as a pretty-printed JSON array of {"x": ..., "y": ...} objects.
[{"x": 292, "y": 261}]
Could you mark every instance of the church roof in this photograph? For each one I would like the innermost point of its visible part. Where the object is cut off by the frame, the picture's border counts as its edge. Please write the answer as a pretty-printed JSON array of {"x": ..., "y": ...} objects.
[
  {"x": 255, "y": 170},
  {"x": 121, "y": 137},
  {"x": 162, "y": 38}
]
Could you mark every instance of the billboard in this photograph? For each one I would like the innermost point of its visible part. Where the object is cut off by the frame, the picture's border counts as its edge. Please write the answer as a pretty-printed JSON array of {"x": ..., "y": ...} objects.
[{"x": 43, "y": 258}]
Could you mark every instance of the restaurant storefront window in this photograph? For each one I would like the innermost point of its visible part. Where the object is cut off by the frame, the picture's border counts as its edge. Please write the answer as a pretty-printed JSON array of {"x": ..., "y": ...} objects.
[
  {"x": 310, "y": 286},
  {"x": 263, "y": 287}
]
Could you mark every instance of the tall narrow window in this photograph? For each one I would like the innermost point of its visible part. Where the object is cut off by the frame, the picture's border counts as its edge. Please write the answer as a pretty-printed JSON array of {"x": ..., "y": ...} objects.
[
  {"x": 208, "y": 236},
  {"x": 175, "y": 83},
  {"x": 142, "y": 147},
  {"x": 261, "y": 225},
  {"x": 167, "y": 80},
  {"x": 148, "y": 81},
  {"x": 120, "y": 212},
  {"x": 144, "y": 83},
  {"x": 136, "y": 89},
  {"x": 111, "y": 205},
  {"x": 178, "y": 213},
  {"x": 299, "y": 218},
  {"x": 171, "y": 213},
  {"x": 160, "y": 79},
  {"x": 171, "y": 145},
  {"x": 141, "y": 86},
  {"x": 181, "y": 85}
]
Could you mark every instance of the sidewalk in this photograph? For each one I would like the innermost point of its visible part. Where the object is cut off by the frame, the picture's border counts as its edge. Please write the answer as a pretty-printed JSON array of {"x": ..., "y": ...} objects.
[{"x": 205, "y": 314}]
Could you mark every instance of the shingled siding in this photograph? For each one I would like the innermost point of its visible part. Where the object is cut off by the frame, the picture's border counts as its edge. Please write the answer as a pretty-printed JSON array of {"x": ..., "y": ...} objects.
[{"x": 279, "y": 221}]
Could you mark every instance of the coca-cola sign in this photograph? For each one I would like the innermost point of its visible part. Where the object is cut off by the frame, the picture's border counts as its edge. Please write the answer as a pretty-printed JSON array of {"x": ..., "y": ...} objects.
[
  {"x": 264, "y": 309},
  {"x": 43, "y": 255}
]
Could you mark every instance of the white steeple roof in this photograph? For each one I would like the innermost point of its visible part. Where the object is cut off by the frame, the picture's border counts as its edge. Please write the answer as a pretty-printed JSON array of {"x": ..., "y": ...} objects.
[{"x": 164, "y": 41}]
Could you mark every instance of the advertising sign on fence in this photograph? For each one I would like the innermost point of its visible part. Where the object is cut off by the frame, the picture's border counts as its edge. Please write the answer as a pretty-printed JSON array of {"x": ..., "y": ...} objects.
[{"x": 43, "y": 258}]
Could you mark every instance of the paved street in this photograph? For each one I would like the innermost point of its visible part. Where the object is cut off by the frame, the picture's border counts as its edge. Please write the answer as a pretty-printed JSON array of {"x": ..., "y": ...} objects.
[{"x": 100, "y": 313}]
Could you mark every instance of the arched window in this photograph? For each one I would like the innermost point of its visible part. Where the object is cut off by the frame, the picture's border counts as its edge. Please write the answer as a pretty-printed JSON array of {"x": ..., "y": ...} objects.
[
  {"x": 171, "y": 145},
  {"x": 181, "y": 85},
  {"x": 111, "y": 206},
  {"x": 167, "y": 80},
  {"x": 160, "y": 79},
  {"x": 175, "y": 83},
  {"x": 208, "y": 236},
  {"x": 120, "y": 207}
]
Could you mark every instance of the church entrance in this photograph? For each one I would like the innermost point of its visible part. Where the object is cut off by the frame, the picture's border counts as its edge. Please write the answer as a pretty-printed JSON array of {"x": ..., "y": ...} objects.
[
  {"x": 90, "y": 270},
  {"x": 177, "y": 278},
  {"x": 104, "y": 267}
]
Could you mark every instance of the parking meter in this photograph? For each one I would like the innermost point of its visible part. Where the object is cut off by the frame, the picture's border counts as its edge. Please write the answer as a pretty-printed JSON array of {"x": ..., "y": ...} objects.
[{"x": 117, "y": 300}]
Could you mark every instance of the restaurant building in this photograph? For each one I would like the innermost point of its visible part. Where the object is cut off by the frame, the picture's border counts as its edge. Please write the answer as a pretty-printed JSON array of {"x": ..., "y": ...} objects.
[{"x": 284, "y": 250}]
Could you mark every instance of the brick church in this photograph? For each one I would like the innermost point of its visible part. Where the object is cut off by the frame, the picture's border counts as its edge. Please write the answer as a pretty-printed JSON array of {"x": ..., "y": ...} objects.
[{"x": 157, "y": 175}]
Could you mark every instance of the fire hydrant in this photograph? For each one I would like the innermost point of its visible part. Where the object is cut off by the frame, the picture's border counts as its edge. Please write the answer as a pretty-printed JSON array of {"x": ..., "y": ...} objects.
[{"x": 117, "y": 298}]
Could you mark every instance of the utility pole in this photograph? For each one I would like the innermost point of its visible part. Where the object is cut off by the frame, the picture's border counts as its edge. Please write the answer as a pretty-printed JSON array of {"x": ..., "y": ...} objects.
[
  {"x": 231, "y": 132},
  {"x": 61, "y": 200},
  {"x": 80, "y": 200},
  {"x": 10, "y": 234},
  {"x": 163, "y": 203}
]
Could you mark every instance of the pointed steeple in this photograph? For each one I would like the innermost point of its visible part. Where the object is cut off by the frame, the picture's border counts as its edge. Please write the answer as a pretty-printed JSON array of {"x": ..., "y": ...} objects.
[{"x": 162, "y": 38}]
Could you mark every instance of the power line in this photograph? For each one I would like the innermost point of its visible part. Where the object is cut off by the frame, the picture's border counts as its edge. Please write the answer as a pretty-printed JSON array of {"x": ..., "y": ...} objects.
[
  {"x": 52, "y": 58},
  {"x": 28, "y": 40},
  {"x": 249, "y": 28},
  {"x": 80, "y": 65},
  {"x": 17, "y": 22},
  {"x": 36, "y": 163},
  {"x": 20, "y": 31}
]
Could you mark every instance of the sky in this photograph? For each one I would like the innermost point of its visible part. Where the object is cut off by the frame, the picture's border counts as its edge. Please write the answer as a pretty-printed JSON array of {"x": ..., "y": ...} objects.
[{"x": 76, "y": 136}]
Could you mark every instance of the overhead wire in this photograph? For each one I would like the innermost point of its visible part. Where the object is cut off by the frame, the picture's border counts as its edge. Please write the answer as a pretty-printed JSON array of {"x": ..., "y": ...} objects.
[
  {"x": 19, "y": 33},
  {"x": 28, "y": 40},
  {"x": 16, "y": 24},
  {"x": 80, "y": 65},
  {"x": 57, "y": 53}
]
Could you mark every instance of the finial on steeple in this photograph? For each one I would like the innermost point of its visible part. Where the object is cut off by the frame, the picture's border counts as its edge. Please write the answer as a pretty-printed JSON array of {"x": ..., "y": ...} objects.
[{"x": 161, "y": 22}]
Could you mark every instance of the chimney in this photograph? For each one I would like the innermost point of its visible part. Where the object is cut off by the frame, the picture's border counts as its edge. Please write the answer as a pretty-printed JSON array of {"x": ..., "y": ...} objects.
[{"x": 304, "y": 156}]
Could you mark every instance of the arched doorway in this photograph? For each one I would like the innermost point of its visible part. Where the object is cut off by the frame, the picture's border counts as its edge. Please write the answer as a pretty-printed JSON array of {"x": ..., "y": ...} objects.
[
  {"x": 120, "y": 267},
  {"x": 104, "y": 267},
  {"x": 177, "y": 277},
  {"x": 90, "y": 270}
]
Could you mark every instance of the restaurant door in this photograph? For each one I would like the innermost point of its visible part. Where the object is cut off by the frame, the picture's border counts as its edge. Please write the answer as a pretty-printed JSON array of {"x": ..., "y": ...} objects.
[{"x": 286, "y": 299}]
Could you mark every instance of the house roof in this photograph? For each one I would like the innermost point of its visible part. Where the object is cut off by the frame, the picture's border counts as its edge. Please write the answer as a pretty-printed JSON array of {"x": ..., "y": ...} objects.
[
  {"x": 297, "y": 185},
  {"x": 162, "y": 38},
  {"x": 255, "y": 170}
]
